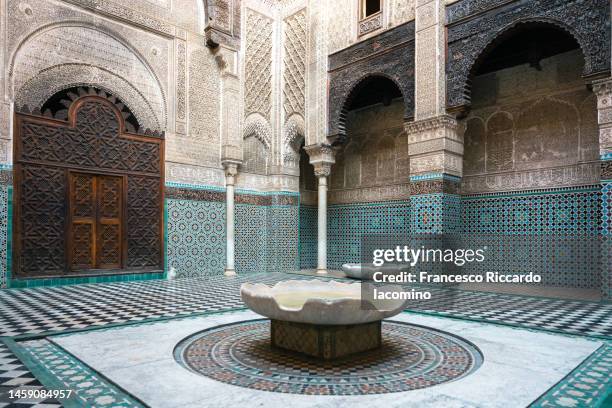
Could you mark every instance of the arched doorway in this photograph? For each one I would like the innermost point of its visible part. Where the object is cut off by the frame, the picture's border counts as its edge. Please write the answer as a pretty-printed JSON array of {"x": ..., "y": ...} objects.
[
  {"x": 88, "y": 189},
  {"x": 368, "y": 188},
  {"x": 531, "y": 161}
]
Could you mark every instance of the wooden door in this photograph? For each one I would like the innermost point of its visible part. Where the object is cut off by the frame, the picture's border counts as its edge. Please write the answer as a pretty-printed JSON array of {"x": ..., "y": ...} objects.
[{"x": 96, "y": 221}]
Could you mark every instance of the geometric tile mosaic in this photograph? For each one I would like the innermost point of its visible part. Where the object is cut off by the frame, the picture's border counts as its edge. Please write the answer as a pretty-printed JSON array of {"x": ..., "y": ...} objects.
[
  {"x": 266, "y": 238},
  {"x": 510, "y": 224},
  {"x": 606, "y": 209},
  {"x": 240, "y": 354},
  {"x": 436, "y": 213},
  {"x": 606, "y": 240},
  {"x": 308, "y": 237},
  {"x": 196, "y": 238},
  {"x": 4, "y": 231},
  {"x": 251, "y": 238},
  {"x": 554, "y": 234},
  {"x": 574, "y": 212},
  {"x": 347, "y": 224},
  {"x": 282, "y": 239}
]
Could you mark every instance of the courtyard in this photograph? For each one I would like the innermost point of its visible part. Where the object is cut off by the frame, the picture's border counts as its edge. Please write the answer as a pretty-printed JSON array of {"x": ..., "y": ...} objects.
[
  {"x": 116, "y": 345},
  {"x": 305, "y": 203}
]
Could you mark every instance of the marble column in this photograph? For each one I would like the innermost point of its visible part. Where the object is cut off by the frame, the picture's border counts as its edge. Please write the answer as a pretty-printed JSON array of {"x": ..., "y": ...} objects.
[
  {"x": 231, "y": 171},
  {"x": 322, "y": 158},
  {"x": 231, "y": 150},
  {"x": 322, "y": 222}
]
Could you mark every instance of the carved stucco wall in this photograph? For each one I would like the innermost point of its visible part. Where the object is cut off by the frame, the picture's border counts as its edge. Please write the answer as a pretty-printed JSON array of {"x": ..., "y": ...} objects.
[
  {"x": 373, "y": 165},
  {"x": 257, "y": 91},
  {"x": 274, "y": 88},
  {"x": 200, "y": 144},
  {"x": 294, "y": 86},
  {"x": 150, "y": 53},
  {"x": 532, "y": 129},
  {"x": 258, "y": 64},
  {"x": 62, "y": 56},
  {"x": 344, "y": 16}
]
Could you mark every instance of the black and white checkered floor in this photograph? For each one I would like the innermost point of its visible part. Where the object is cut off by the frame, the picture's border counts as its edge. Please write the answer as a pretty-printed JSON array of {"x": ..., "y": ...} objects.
[{"x": 44, "y": 311}]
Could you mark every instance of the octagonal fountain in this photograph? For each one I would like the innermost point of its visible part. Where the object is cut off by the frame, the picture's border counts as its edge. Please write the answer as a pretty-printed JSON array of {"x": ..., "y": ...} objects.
[{"x": 323, "y": 319}]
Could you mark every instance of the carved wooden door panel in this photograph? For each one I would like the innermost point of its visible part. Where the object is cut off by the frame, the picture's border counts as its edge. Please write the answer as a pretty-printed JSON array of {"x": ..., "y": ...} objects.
[
  {"x": 88, "y": 196},
  {"x": 109, "y": 240},
  {"x": 96, "y": 221}
]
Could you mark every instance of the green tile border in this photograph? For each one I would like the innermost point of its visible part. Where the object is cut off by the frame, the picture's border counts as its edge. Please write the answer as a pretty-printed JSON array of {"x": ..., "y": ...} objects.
[
  {"x": 34, "y": 283},
  {"x": 581, "y": 387},
  {"x": 51, "y": 380}
]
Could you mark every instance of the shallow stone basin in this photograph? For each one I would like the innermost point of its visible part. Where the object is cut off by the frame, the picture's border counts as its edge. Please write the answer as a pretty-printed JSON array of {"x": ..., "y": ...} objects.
[{"x": 317, "y": 302}]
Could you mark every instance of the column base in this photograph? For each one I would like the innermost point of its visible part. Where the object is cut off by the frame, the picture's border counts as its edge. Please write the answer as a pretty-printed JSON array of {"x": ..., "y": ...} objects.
[
  {"x": 321, "y": 271},
  {"x": 230, "y": 272}
]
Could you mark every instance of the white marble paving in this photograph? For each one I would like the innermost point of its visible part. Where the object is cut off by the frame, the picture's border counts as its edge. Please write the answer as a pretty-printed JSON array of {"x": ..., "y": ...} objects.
[{"x": 519, "y": 366}]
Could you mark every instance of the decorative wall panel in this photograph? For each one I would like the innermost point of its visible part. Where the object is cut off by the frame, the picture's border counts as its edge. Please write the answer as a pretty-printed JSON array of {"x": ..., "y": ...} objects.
[
  {"x": 474, "y": 25},
  {"x": 251, "y": 239},
  {"x": 196, "y": 237},
  {"x": 56, "y": 59},
  {"x": 283, "y": 238},
  {"x": 266, "y": 231},
  {"x": 606, "y": 239},
  {"x": 348, "y": 223},
  {"x": 553, "y": 233},
  {"x": 436, "y": 213},
  {"x": 373, "y": 164},
  {"x": 308, "y": 237},
  {"x": 258, "y": 64},
  {"x": 92, "y": 140},
  {"x": 295, "y": 63}
]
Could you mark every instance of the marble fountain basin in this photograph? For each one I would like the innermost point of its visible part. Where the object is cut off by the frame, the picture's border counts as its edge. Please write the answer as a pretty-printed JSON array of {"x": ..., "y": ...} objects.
[{"x": 323, "y": 319}]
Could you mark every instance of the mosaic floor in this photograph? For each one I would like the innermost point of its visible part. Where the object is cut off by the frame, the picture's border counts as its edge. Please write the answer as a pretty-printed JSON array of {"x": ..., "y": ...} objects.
[
  {"x": 31, "y": 319},
  {"x": 518, "y": 366},
  {"x": 411, "y": 358}
]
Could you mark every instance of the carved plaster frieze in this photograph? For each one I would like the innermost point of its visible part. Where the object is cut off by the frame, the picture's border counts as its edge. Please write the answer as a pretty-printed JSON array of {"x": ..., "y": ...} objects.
[
  {"x": 568, "y": 176},
  {"x": 196, "y": 175},
  {"x": 370, "y": 194}
]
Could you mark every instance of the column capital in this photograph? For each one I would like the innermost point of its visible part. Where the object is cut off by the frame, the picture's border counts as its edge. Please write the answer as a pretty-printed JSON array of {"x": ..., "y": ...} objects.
[
  {"x": 231, "y": 170},
  {"x": 322, "y": 170},
  {"x": 321, "y": 153}
]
